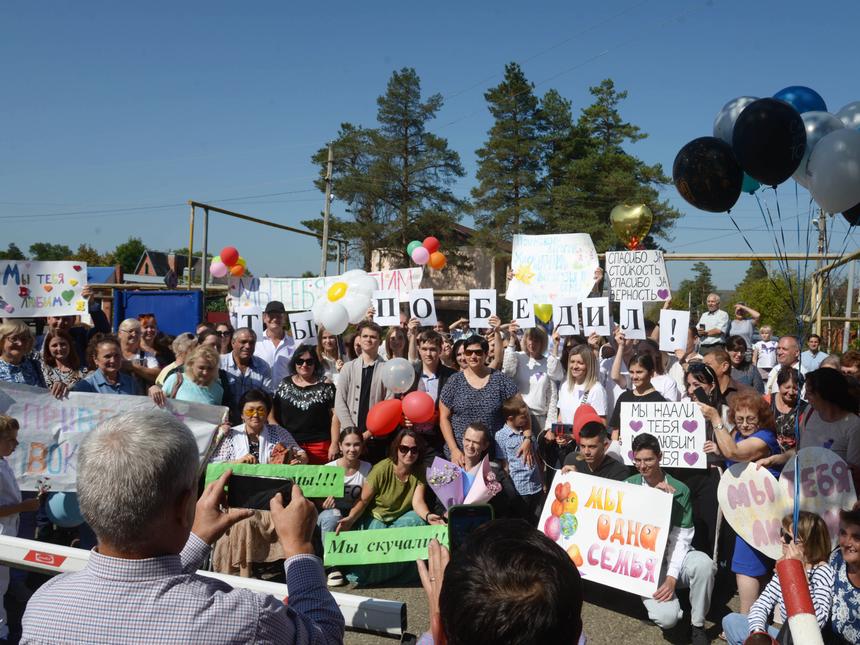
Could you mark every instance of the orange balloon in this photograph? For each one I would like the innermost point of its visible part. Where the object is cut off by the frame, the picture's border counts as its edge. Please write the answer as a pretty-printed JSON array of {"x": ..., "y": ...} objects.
[
  {"x": 438, "y": 260},
  {"x": 237, "y": 270},
  {"x": 575, "y": 555}
]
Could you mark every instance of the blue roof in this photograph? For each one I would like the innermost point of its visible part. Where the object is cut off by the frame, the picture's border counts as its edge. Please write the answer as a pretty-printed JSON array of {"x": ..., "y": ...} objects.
[{"x": 99, "y": 275}]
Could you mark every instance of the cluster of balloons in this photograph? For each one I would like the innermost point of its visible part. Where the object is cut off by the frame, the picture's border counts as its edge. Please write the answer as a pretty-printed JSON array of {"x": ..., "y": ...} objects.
[
  {"x": 383, "y": 418},
  {"x": 346, "y": 301},
  {"x": 427, "y": 252},
  {"x": 229, "y": 261},
  {"x": 767, "y": 141}
]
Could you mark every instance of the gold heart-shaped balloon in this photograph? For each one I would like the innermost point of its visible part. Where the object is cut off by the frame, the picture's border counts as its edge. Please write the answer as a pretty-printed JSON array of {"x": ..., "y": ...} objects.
[
  {"x": 631, "y": 223},
  {"x": 543, "y": 312}
]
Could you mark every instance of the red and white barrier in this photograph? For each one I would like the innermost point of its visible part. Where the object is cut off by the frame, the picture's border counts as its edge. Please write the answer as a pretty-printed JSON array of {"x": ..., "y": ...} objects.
[{"x": 799, "y": 610}]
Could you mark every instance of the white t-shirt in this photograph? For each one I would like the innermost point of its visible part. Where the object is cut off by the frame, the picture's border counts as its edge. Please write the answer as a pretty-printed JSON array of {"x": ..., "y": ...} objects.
[
  {"x": 352, "y": 485},
  {"x": 10, "y": 493},
  {"x": 666, "y": 386},
  {"x": 569, "y": 399},
  {"x": 766, "y": 354}
]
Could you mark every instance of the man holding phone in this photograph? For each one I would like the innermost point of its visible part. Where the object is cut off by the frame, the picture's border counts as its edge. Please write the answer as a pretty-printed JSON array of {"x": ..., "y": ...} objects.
[
  {"x": 593, "y": 442},
  {"x": 713, "y": 326}
]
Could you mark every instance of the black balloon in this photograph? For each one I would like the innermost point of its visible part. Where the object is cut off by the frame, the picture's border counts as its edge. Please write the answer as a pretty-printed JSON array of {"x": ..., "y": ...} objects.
[
  {"x": 852, "y": 215},
  {"x": 707, "y": 174},
  {"x": 769, "y": 140}
]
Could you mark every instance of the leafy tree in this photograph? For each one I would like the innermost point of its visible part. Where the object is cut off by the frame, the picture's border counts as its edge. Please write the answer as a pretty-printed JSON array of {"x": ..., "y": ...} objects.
[
  {"x": 45, "y": 251},
  {"x": 509, "y": 163},
  {"x": 128, "y": 254},
  {"x": 695, "y": 291},
  {"x": 88, "y": 254},
  {"x": 12, "y": 252},
  {"x": 770, "y": 296}
]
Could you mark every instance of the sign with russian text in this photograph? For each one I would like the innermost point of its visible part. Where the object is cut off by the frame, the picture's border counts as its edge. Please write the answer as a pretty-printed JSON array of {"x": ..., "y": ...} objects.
[
  {"x": 315, "y": 481},
  {"x": 754, "y": 504},
  {"x": 614, "y": 532},
  {"x": 565, "y": 316},
  {"x": 482, "y": 307},
  {"x": 595, "y": 317},
  {"x": 303, "y": 327},
  {"x": 550, "y": 266},
  {"x": 52, "y": 430},
  {"x": 637, "y": 275},
  {"x": 376, "y": 546},
  {"x": 300, "y": 294},
  {"x": 386, "y": 305},
  {"x": 679, "y": 427},
  {"x": 631, "y": 317},
  {"x": 34, "y": 289}
]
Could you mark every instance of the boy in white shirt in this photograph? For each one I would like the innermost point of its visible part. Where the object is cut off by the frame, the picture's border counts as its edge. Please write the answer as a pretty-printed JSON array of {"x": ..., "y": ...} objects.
[{"x": 764, "y": 352}]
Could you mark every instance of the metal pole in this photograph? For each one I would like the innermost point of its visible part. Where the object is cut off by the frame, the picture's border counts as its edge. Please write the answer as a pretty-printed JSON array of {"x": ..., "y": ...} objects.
[
  {"x": 327, "y": 210},
  {"x": 849, "y": 301},
  {"x": 205, "y": 254},
  {"x": 190, "y": 246},
  {"x": 822, "y": 237},
  {"x": 337, "y": 259}
]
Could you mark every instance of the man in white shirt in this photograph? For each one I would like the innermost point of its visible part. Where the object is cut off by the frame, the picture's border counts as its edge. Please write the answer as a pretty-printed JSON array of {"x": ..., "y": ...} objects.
[
  {"x": 812, "y": 357},
  {"x": 713, "y": 325},
  {"x": 276, "y": 346},
  {"x": 787, "y": 355}
]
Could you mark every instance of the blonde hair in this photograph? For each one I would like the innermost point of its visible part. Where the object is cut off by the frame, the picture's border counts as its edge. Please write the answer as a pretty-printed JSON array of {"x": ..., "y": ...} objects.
[
  {"x": 8, "y": 424},
  {"x": 583, "y": 351},
  {"x": 813, "y": 534},
  {"x": 765, "y": 327},
  {"x": 19, "y": 327},
  {"x": 205, "y": 353}
]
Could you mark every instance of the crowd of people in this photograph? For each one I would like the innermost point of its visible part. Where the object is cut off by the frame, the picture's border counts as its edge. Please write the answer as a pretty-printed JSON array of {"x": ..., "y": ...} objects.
[{"x": 531, "y": 400}]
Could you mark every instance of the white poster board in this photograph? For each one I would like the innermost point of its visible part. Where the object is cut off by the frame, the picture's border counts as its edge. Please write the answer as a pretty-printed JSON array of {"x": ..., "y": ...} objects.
[
  {"x": 386, "y": 304},
  {"x": 550, "y": 266},
  {"x": 482, "y": 306},
  {"x": 637, "y": 275},
  {"x": 674, "y": 326},
  {"x": 422, "y": 306},
  {"x": 36, "y": 289},
  {"x": 304, "y": 328},
  {"x": 631, "y": 318},
  {"x": 679, "y": 427}
]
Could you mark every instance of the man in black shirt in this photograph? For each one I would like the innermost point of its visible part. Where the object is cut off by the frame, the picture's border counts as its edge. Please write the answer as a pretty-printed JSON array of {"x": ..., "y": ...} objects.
[{"x": 593, "y": 441}]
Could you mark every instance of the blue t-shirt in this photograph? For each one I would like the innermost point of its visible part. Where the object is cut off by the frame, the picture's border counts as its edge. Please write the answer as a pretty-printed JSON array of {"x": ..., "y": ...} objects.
[{"x": 769, "y": 437}]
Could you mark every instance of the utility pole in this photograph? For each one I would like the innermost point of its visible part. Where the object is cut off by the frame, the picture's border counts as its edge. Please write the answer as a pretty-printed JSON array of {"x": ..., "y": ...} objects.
[
  {"x": 326, "y": 210},
  {"x": 819, "y": 287}
]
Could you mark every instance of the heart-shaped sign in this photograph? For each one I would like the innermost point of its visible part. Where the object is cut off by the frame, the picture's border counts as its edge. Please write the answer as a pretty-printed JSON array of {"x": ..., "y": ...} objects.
[
  {"x": 73, "y": 282},
  {"x": 48, "y": 288},
  {"x": 754, "y": 504},
  {"x": 631, "y": 223},
  {"x": 68, "y": 295},
  {"x": 690, "y": 425},
  {"x": 635, "y": 426}
]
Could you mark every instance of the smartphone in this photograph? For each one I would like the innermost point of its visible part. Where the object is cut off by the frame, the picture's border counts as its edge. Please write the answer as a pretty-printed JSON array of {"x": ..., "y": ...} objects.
[
  {"x": 562, "y": 428},
  {"x": 244, "y": 491},
  {"x": 701, "y": 396},
  {"x": 465, "y": 518}
]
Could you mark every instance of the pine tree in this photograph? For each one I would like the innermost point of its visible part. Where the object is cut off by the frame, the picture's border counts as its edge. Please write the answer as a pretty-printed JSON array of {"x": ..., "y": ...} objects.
[{"x": 695, "y": 290}]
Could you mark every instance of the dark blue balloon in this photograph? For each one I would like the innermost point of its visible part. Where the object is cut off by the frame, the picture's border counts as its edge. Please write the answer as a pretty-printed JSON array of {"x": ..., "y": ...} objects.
[{"x": 804, "y": 99}]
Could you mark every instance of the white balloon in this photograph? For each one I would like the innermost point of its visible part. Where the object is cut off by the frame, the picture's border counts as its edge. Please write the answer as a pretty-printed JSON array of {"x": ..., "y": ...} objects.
[
  {"x": 356, "y": 304},
  {"x": 834, "y": 167},
  {"x": 724, "y": 124},
  {"x": 397, "y": 375},
  {"x": 317, "y": 309},
  {"x": 334, "y": 317},
  {"x": 359, "y": 280},
  {"x": 818, "y": 125},
  {"x": 850, "y": 115}
]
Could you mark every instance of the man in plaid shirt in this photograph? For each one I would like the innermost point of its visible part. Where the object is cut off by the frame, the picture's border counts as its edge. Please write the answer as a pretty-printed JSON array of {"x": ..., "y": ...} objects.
[{"x": 137, "y": 483}]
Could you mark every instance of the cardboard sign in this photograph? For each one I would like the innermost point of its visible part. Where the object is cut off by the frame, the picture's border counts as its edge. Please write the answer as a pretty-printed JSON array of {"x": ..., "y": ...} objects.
[
  {"x": 552, "y": 266},
  {"x": 632, "y": 319},
  {"x": 386, "y": 304},
  {"x": 523, "y": 311},
  {"x": 300, "y": 294},
  {"x": 304, "y": 328},
  {"x": 754, "y": 504},
  {"x": 679, "y": 427},
  {"x": 826, "y": 485},
  {"x": 565, "y": 316},
  {"x": 614, "y": 532},
  {"x": 482, "y": 306},
  {"x": 595, "y": 316},
  {"x": 35, "y": 289},
  {"x": 637, "y": 275},
  {"x": 375, "y": 546},
  {"x": 51, "y": 429},
  {"x": 674, "y": 325},
  {"x": 250, "y": 316},
  {"x": 422, "y": 307},
  {"x": 315, "y": 481}
]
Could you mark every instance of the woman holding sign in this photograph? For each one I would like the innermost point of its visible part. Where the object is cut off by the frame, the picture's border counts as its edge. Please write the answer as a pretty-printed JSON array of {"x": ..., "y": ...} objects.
[
  {"x": 753, "y": 438},
  {"x": 641, "y": 370}
]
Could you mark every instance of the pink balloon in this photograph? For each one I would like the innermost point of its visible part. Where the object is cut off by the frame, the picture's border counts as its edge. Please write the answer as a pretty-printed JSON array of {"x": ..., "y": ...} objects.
[
  {"x": 419, "y": 407},
  {"x": 218, "y": 269},
  {"x": 420, "y": 255}
]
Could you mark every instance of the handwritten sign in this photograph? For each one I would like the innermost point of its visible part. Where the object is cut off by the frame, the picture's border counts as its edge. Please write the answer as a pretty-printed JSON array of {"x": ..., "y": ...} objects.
[
  {"x": 674, "y": 326},
  {"x": 375, "y": 546},
  {"x": 51, "y": 430},
  {"x": 754, "y": 504},
  {"x": 549, "y": 266},
  {"x": 34, "y": 289},
  {"x": 300, "y": 294},
  {"x": 315, "y": 481},
  {"x": 826, "y": 486},
  {"x": 637, "y": 275},
  {"x": 614, "y": 532},
  {"x": 679, "y": 427}
]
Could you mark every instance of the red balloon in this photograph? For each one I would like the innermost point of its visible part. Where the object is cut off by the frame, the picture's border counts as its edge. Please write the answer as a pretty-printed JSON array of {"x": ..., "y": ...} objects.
[
  {"x": 229, "y": 255},
  {"x": 384, "y": 417},
  {"x": 419, "y": 407},
  {"x": 430, "y": 243}
]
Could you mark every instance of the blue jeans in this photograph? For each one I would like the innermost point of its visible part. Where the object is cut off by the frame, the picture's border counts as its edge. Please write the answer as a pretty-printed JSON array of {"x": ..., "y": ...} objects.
[
  {"x": 398, "y": 572},
  {"x": 737, "y": 627},
  {"x": 327, "y": 520}
]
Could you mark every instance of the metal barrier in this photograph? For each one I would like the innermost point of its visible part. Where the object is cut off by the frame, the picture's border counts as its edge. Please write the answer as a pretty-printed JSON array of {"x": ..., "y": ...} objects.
[{"x": 361, "y": 613}]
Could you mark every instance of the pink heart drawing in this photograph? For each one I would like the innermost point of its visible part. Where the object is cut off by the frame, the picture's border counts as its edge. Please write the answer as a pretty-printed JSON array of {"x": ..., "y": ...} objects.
[
  {"x": 76, "y": 267},
  {"x": 662, "y": 293},
  {"x": 690, "y": 425},
  {"x": 691, "y": 458},
  {"x": 635, "y": 426},
  {"x": 9, "y": 308},
  {"x": 630, "y": 454}
]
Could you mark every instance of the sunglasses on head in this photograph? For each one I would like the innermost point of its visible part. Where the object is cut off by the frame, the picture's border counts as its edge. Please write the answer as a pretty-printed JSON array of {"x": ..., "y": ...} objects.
[{"x": 406, "y": 450}]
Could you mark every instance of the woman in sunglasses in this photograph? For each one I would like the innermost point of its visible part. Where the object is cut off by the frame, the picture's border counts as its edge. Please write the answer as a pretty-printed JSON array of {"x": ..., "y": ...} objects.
[
  {"x": 392, "y": 496},
  {"x": 304, "y": 406}
]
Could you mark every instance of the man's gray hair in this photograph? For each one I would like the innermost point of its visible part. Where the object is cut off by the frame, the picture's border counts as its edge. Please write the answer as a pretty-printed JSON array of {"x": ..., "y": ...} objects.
[{"x": 131, "y": 469}]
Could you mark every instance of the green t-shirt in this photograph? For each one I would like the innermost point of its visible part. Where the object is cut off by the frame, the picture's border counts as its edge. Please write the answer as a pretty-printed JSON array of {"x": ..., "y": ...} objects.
[
  {"x": 393, "y": 497},
  {"x": 682, "y": 506}
]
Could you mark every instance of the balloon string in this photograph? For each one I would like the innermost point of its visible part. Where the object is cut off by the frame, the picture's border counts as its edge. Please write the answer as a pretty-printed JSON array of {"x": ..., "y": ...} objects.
[{"x": 785, "y": 252}]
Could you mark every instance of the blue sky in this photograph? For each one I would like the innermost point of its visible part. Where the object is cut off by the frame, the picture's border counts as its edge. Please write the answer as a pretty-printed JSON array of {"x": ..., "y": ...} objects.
[{"x": 110, "y": 106}]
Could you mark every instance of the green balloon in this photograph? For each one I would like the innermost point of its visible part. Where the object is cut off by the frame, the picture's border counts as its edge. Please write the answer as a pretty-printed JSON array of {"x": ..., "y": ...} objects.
[
  {"x": 414, "y": 244},
  {"x": 750, "y": 185}
]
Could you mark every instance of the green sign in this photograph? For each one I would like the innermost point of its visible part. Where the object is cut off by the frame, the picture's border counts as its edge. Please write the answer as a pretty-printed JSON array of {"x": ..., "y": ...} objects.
[
  {"x": 377, "y": 546},
  {"x": 315, "y": 481}
]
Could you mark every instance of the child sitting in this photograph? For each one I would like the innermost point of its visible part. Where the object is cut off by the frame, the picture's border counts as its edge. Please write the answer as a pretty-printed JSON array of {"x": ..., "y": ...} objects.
[{"x": 524, "y": 473}]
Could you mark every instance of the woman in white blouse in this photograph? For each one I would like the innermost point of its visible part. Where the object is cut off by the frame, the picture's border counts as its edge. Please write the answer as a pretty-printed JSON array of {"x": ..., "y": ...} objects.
[{"x": 530, "y": 371}]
